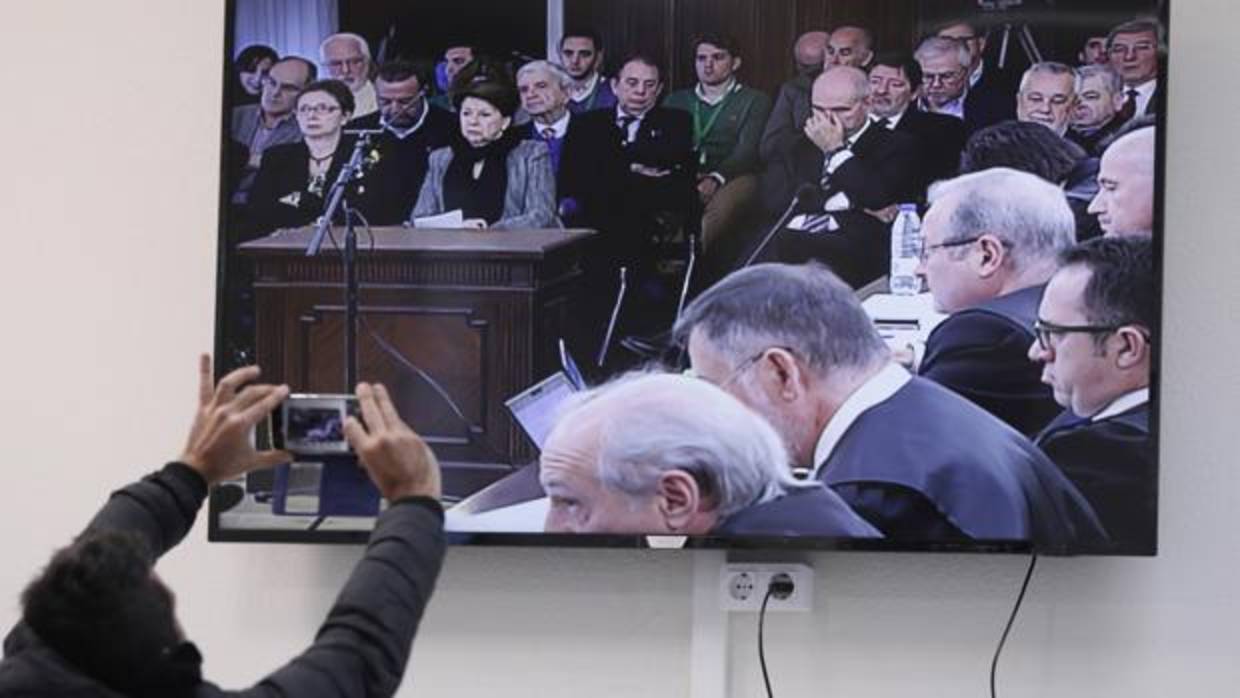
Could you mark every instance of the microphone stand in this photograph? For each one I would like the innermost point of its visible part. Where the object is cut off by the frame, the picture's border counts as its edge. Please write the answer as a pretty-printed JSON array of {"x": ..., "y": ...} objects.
[
  {"x": 336, "y": 201},
  {"x": 779, "y": 224}
]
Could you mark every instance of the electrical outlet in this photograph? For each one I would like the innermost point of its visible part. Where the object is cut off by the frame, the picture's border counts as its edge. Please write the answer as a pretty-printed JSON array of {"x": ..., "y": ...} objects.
[{"x": 742, "y": 586}]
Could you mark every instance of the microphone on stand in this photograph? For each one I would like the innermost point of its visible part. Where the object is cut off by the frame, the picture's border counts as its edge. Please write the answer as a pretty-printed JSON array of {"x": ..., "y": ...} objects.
[{"x": 807, "y": 197}]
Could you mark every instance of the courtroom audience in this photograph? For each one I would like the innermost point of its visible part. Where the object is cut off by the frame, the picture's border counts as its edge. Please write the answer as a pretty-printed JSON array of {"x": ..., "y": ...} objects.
[
  {"x": 662, "y": 453},
  {"x": 857, "y": 167},
  {"x": 990, "y": 86},
  {"x": 794, "y": 344},
  {"x": 248, "y": 71},
  {"x": 1093, "y": 52},
  {"x": 1099, "y": 102},
  {"x": 1032, "y": 148},
  {"x": 295, "y": 178},
  {"x": 410, "y": 128},
  {"x": 544, "y": 88},
  {"x": 1096, "y": 331},
  {"x": 1125, "y": 200},
  {"x": 991, "y": 242},
  {"x": 347, "y": 59},
  {"x": 455, "y": 57},
  {"x": 271, "y": 121},
  {"x": 1047, "y": 96},
  {"x": 581, "y": 54},
  {"x": 788, "y": 116},
  {"x": 850, "y": 46},
  {"x": 728, "y": 118},
  {"x": 895, "y": 80},
  {"x": 1135, "y": 50},
  {"x": 488, "y": 173},
  {"x": 950, "y": 86}
]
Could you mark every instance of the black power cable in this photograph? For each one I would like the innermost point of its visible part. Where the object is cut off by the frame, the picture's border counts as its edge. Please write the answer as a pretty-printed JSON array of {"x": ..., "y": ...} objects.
[
  {"x": 994, "y": 663},
  {"x": 779, "y": 587}
]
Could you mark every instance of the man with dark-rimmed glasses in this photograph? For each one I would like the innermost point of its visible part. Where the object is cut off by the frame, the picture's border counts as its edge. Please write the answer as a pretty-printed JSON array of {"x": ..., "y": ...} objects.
[
  {"x": 1094, "y": 341},
  {"x": 992, "y": 240}
]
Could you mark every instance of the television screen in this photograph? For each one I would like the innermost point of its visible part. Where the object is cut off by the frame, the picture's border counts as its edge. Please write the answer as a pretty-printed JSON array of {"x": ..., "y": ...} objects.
[{"x": 762, "y": 274}]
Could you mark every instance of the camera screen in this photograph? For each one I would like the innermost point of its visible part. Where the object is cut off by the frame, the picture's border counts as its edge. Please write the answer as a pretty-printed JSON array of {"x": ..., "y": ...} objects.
[{"x": 314, "y": 425}]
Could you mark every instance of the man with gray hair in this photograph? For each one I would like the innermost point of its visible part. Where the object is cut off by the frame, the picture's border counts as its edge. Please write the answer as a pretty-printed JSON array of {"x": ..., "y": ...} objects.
[
  {"x": 1135, "y": 49},
  {"x": 347, "y": 58},
  {"x": 917, "y": 461},
  {"x": 1047, "y": 95},
  {"x": 947, "y": 86},
  {"x": 670, "y": 454},
  {"x": 858, "y": 167},
  {"x": 991, "y": 242},
  {"x": 544, "y": 88},
  {"x": 1099, "y": 99}
]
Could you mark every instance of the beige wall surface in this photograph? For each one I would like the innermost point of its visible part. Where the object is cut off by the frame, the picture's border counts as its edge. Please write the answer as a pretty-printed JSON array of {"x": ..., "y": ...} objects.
[{"x": 108, "y": 197}]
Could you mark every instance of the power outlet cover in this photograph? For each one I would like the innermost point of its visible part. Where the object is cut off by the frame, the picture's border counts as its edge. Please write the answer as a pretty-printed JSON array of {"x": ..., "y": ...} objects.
[{"x": 742, "y": 586}]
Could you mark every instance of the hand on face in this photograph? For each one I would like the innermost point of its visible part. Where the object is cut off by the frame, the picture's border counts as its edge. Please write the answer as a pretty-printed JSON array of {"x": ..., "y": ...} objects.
[
  {"x": 219, "y": 445},
  {"x": 825, "y": 131}
]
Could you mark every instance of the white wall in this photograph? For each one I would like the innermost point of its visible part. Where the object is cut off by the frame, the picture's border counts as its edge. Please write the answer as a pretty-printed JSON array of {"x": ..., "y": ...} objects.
[{"x": 109, "y": 191}]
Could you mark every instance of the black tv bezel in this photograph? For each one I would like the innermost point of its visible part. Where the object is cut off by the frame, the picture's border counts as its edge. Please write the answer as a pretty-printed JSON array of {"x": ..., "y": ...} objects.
[{"x": 218, "y": 534}]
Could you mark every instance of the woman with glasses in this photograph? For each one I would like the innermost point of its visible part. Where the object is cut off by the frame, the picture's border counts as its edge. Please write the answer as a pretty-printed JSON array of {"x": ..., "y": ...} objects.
[
  {"x": 294, "y": 179},
  {"x": 496, "y": 179}
]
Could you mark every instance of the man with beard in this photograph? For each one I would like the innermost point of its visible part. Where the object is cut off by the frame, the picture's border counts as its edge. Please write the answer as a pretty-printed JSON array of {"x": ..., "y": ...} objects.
[
  {"x": 581, "y": 54},
  {"x": 347, "y": 58},
  {"x": 895, "y": 79}
]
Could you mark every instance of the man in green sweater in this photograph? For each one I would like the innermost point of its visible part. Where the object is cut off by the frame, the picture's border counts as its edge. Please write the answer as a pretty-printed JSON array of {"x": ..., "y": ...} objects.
[{"x": 727, "y": 125}]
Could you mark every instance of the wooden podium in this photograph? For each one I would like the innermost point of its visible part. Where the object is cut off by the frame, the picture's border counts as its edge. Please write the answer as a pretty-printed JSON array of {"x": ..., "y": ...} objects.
[{"x": 478, "y": 313}]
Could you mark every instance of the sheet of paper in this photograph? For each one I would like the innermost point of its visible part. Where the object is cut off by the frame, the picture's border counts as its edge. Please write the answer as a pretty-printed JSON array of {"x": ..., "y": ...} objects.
[{"x": 448, "y": 219}]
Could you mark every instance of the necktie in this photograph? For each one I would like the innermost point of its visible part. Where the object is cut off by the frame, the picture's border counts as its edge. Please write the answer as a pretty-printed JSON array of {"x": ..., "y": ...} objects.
[
  {"x": 1129, "y": 109},
  {"x": 884, "y": 122},
  {"x": 548, "y": 134},
  {"x": 624, "y": 123}
]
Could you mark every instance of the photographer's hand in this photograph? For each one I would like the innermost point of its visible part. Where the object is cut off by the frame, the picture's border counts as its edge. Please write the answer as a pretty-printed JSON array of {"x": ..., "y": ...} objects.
[
  {"x": 219, "y": 441},
  {"x": 398, "y": 460}
]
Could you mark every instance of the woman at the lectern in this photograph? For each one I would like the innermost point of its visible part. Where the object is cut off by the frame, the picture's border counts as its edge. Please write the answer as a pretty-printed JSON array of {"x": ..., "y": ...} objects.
[
  {"x": 488, "y": 173},
  {"x": 294, "y": 178}
]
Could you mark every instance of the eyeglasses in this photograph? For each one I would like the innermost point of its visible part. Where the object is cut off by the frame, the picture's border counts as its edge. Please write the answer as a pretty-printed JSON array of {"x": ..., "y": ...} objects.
[
  {"x": 942, "y": 78},
  {"x": 747, "y": 363},
  {"x": 307, "y": 109},
  {"x": 1044, "y": 330},
  {"x": 926, "y": 250}
]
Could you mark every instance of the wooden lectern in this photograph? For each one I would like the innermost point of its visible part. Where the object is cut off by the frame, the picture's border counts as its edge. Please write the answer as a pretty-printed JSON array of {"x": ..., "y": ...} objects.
[{"x": 477, "y": 313}]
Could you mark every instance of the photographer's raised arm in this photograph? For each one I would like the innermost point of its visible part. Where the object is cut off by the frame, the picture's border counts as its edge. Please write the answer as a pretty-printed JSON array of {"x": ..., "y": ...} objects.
[{"x": 162, "y": 506}]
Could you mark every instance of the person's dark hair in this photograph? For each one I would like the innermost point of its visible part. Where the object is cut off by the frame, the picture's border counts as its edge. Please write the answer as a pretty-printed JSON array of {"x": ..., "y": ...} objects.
[
  {"x": 902, "y": 60},
  {"x": 639, "y": 58},
  {"x": 481, "y": 69},
  {"x": 804, "y": 308},
  {"x": 1023, "y": 146},
  {"x": 312, "y": 69},
  {"x": 400, "y": 69},
  {"x": 1121, "y": 289},
  {"x": 1140, "y": 25},
  {"x": 250, "y": 57},
  {"x": 100, "y": 608},
  {"x": 498, "y": 94},
  {"x": 726, "y": 42},
  {"x": 583, "y": 33},
  {"x": 337, "y": 89}
]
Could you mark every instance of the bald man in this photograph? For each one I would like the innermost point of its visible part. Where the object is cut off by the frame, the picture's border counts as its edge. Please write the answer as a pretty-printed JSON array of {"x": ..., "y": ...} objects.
[
  {"x": 788, "y": 115},
  {"x": 1124, "y": 203},
  {"x": 851, "y": 46},
  {"x": 859, "y": 167}
]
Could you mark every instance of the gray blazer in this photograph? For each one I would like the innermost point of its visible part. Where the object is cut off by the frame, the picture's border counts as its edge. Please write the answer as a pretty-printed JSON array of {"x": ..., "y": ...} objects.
[
  {"x": 245, "y": 121},
  {"x": 529, "y": 201}
]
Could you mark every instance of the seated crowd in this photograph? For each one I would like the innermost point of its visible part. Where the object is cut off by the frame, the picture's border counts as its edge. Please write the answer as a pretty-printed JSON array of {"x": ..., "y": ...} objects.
[{"x": 1038, "y": 198}]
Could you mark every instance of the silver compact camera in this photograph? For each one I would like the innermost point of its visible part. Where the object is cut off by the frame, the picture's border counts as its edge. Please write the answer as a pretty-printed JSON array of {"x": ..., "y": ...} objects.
[{"x": 313, "y": 424}]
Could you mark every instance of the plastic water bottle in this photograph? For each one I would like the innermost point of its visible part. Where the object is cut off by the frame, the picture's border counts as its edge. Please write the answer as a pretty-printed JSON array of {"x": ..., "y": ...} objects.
[{"x": 905, "y": 251}]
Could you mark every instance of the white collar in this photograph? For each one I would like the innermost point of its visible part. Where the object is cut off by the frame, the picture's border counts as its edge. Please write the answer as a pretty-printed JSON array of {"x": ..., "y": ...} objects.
[
  {"x": 402, "y": 134},
  {"x": 731, "y": 87},
  {"x": 892, "y": 121},
  {"x": 852, "y": 140},
  {"x": 580, "y": 92},
  {"x": 877, "y": 389},
  {"x": 560, "y": 126},
  {"x": 1122, "y": 404},
  {"x": 1144, "y": 89},
  {"x": 622, "y": 114}
]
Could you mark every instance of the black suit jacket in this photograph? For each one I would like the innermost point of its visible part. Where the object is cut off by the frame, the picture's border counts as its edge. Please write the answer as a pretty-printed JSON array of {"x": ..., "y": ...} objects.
[
  {"x": 390, "y": 186},
  {"x": 991, "y": 100},
  {"x": 927, "y": 465},
  {"x": 941, "y": 139},
  {"x": 982, "y": 353},
  {"x": 281, "y": 196},
  {"x": 1114, "y": 464},
  {"x": 596, "y": 172},
  {"x": 816, "y": 511},
  {"x": 883, "y": 171}
]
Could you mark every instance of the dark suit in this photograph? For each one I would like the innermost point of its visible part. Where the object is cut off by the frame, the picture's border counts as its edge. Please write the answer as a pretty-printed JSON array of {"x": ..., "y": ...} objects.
[
  {"x": 281, "y": 196},
  {"x": 816, "y": 511},
  {"x": 555, "y": 146},
  {"x": 991, "y": 100},
  {"x": 390, "y": 186},
  {"x": 781, "y": 138},
  {"x": 926, "y": 465},
  {"x": 1092, "y": 141},
  {"x": 941, "y": 139},
  {"x": 982, "y": 353},
  {"x": 882, "y": 171},
  {"x": 1113, "y": 462}
]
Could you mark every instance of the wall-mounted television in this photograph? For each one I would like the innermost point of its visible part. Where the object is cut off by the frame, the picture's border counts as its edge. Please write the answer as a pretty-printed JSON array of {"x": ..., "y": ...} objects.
[{"x": 905, "y": 256}]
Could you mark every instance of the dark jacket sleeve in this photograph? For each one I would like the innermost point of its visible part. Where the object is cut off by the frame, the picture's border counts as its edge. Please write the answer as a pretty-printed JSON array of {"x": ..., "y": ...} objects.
[
  {"x": 780, "y": 133},
  {"x": 744, "y": 156},
  {"x": 160, "y": 507},
  {"x": 362, "y": 647},
  {"x": 881, "y": 177}
]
